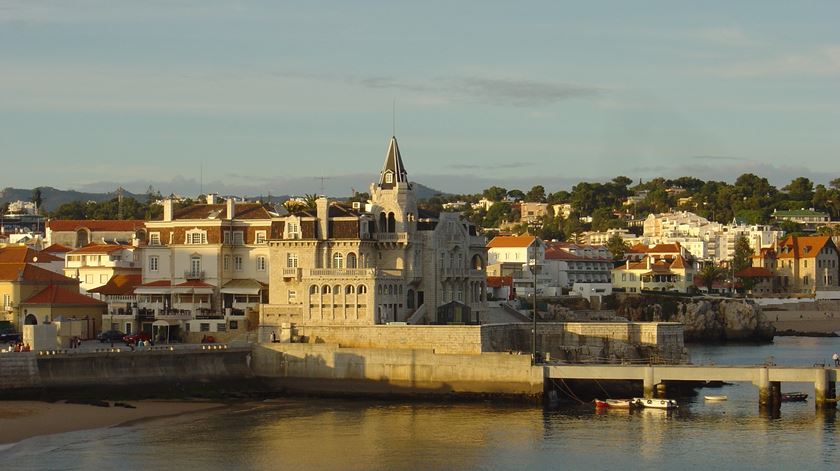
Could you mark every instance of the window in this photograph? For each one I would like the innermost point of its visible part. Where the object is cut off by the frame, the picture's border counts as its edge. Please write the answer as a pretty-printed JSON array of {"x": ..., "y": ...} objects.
[
  {"x": 226, "y": 263},
  {"x": 389, "y": 178},
  {"x": 291, "y": 260},
  {"x": 234, "y": 325},
  {"x": 362, "y": 289},
  {"x": 103, "y": 278},
  {"x": 195, "y": 265},
  {"x": 221, "y": 327},
  {"x": 154, "y": 238},
  {"x": 293, "y": 230},
  {"x": 292, "y": 295},
  {"x": 351, "y": 260},
  {"x": 237, "y": 263},
  {"x": 196, "y": 236},
  {"x": 338, "y": 261},
  {"x": 88, "y": 278},
  {"x": 204, "y": 327},
  {"x": 153, "y": 263},
  {"x": 261, "y": 263},
  {"x": 226, "y": 238},
  {"x": 237, "y": 238},
  {"x": 259, "y": 237}
]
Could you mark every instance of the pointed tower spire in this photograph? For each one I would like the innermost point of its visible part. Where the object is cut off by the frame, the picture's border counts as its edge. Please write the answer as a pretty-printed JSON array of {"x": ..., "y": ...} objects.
[{"x": 393, "y": 171}]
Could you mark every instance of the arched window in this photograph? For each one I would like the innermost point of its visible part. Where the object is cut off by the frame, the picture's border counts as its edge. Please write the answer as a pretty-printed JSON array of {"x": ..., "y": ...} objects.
[
  {"x": 325, "y": 289},
  {"x": 383, "y": 222},
  {"x": 338, "y": 261},
  {"x": 477, "y": 263},
  {"x": 409, "y": 302},
  {"x": 350, "y": 289},
  {"x": 82, "y": 237},
  {"x": 313, "y": 289},
  {"x": 30, "y": 320},
  {"x": 392, "y": 222},
  {"x": 337, "y": 289},
  {"x": 351, "y": 260},
  {"x": 362, "y": 289}
]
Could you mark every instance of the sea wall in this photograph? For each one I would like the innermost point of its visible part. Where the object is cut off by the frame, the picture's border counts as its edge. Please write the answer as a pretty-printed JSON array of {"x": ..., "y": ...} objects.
[
  {"x": 574, "y": 341},
  {"x": 328, "y": 368},
  {"x": 32, "y": 371}
]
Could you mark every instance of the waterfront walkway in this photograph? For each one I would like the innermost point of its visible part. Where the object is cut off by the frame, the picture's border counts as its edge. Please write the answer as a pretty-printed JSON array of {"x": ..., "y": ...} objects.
[{"x": 767, "y": 378}]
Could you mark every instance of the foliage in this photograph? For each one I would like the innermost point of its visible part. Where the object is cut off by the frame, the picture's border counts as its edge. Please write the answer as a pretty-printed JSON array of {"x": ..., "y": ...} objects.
[
  {"x": 494, "y": 193},
  {"x": 711, "y": 273},
  {"x": 617, "y": 247}
]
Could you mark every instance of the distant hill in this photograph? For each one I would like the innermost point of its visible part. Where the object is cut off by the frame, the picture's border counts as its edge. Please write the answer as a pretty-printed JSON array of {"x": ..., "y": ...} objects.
[
  {"x": 52, "y": 198},
  {"x": 423, "y": 192}
]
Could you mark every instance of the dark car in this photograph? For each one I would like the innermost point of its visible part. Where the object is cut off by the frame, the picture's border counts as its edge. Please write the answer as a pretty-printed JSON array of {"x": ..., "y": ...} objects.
[
  {"x": 111, "y": 336},
  {"x": 133, "y": 338}
]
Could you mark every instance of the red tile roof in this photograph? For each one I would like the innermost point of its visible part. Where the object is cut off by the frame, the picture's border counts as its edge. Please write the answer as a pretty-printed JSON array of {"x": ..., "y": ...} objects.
[
  {"x": 55, "y": 295},
  {"x": 157, "y": 283},
  {"x": 104, "y": 225},
  {"x": 119, "y": 285},
  {"x": 658, "y": 248},
  {"x": 21, "y": 254},
  {"x": 553, "y": 253},
  {"x": 57, "y": 248},
  {"x": 100, "y": 248},
  {"x": 195, "y": 284},
  {"x": 755, "y": 272},
  {"x": 32, "y": 273},
  {"x": 802, "y": 246},
  {"x": 511, "y": 241},
  {"x": 242, "y": 211},
  {"x": 499, "y": 281}
]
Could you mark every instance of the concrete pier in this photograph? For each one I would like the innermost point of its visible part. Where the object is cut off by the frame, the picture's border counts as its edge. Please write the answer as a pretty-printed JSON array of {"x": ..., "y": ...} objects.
[{"x": 767, "y": 379}]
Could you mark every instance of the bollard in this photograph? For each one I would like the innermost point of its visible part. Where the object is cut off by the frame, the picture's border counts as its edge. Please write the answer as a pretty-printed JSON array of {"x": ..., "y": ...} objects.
[
  {"x": 823, "y": 390},
  {"x": 765, "y": 396},
  {"x": 648, "y": 382}
]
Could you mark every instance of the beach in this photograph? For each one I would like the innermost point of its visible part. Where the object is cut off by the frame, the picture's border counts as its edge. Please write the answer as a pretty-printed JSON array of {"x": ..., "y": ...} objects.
[{"x": 24, "y": 419}]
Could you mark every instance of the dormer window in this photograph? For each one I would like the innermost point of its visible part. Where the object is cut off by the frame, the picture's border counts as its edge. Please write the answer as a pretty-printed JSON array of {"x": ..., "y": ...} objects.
[
  {"x": 389, "y": 177},
  {"x": 196, "y": 236},
  {"x": 154, "y": 238}
]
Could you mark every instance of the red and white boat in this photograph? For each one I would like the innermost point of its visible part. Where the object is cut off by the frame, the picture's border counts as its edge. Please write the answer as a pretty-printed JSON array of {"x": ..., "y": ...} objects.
[{"x": 616, "y": 403}]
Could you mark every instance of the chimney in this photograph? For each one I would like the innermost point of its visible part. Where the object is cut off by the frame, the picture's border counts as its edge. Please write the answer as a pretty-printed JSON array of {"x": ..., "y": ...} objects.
[
  {"x": 648, "y": 262},
  {"x": 323, "y": 206},
  {"x": 231, "y": 208},
  {"x": 168, "y": 209},
  {"x": 627, "y": 264},
  {"x": 211, "y": 198}
]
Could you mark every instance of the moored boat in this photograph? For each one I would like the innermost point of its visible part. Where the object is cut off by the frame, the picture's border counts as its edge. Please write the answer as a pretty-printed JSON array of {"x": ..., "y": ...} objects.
[
  {"x": 794, "y": 397},
  {"x": 713, "y": 398},
  {"x": 616, "y": 403},
  {"x": 666, "y": 404}
]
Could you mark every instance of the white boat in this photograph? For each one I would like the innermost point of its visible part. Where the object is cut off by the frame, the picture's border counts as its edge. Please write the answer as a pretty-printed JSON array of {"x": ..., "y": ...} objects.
[
  {"x": 716, "y": 398},
  {"x": 666, "y": 404},
  {"x": 616, "y": 403}
]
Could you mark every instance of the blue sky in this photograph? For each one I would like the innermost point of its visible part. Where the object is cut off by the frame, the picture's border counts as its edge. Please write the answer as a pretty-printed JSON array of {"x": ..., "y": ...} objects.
[{"x": 267, "y": 96}]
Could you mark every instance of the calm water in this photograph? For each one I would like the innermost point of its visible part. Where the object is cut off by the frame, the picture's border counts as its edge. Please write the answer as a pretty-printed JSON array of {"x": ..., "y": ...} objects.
[{"x": 304, "y": 433}]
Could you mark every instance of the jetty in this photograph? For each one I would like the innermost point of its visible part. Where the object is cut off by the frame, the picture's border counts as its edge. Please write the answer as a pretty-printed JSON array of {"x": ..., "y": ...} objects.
[{"x": 767, "y": 378}]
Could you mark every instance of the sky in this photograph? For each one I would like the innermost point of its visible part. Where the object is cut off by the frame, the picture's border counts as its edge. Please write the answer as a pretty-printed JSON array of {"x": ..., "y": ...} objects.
[{"x": 258, "y": 97}]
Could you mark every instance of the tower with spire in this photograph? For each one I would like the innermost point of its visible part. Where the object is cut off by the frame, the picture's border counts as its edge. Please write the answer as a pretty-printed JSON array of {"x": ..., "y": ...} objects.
[{"x": 393, "y": 201}]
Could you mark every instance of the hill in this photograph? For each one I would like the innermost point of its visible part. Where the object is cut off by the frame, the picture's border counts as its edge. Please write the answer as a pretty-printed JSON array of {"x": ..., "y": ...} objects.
[{"x": 52, "y": 198}]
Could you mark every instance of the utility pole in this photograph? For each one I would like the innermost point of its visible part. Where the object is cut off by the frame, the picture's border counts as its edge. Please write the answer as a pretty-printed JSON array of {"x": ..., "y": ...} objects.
[{"x": 534, "y": 327}]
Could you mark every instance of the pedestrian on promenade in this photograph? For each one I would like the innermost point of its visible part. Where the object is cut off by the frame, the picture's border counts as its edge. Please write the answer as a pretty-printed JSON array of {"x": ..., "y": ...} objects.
[
  {"x": 273, "y": 337},
  {"x": 836, "y": 359}
]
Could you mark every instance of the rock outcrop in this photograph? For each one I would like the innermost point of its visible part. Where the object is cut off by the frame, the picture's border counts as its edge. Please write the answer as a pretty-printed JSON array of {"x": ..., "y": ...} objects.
[{"x": 704, "y": 319}]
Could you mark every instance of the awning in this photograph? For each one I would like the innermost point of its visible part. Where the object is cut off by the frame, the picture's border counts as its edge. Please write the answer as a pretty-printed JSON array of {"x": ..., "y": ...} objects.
[
  {"x": 245, "y": 286},
  {"x": 194, "y": 287},
  {"x": 155, "y": 287},
  {"x": 160, "y": 323}
]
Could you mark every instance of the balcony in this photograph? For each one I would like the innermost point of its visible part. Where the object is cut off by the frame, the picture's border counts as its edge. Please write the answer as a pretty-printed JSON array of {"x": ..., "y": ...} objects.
[
  {"x": 353, "y": 273},
  {"x": 458, "y": 272},
  {"x": 394, "y": 237},
  {"x": 293, "y": 272},
  {"x": 174, "y": 314},
  {"x": 194, "y": 275}
]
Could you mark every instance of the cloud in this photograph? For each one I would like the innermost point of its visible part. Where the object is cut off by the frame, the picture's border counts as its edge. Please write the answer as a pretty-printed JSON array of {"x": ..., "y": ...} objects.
[
  {"x": 715, "y": 157},
  {"x": 490, "y": 166},
  {"x": 488, "y": 90},
  {"x": 823, "y": 61}
]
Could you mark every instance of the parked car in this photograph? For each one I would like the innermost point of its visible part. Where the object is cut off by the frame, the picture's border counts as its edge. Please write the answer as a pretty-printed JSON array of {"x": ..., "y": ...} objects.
[
  {"x": 133, "y": 338},
  {"x": 10, "y": 337},
  {"x": 111, "y": 336}
]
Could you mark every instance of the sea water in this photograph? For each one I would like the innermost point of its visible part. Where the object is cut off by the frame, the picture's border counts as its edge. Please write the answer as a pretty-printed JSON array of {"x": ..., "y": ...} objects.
[{"x": 311, "y": 433}]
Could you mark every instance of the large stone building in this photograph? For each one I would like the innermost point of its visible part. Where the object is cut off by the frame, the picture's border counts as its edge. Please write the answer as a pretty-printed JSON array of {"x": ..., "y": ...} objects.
[{"x": 385, "y": 262}]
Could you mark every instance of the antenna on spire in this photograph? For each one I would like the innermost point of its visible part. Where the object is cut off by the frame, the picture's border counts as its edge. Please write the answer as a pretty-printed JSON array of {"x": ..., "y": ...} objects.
[
  {"x": 201, "y": 178},
  {"x": 394, "y": 118}
]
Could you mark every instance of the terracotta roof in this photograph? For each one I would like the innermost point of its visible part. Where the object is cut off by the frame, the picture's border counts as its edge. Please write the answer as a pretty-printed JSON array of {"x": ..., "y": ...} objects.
[
  {"x": 499, "y": 281},
  {"x": 553, "y": 253},
  {"x": 100, "y": 248},
  {"x": 219, "y": 211},
  {"x": 511, "y": 241},
  {"x": 22, "y": 254},
  {"x": 661, "y": 265},
  {"x": 67, "y": 225},
  {"x": 755, "y": 272},
  {"x": 119, "y": 285},
  {"x": 802, "y": 247},
  {"x": 55, "y": 295},
  {"x": 57, "y": 248},
  {"x": 158, "y": 283},
  {"x": 31, "y": 273}
]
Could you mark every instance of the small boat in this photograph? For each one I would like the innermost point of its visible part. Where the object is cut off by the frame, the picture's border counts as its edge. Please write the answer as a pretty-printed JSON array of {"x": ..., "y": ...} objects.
[
  {"x": 794, "y": 397},
  {"x": 616, "y": 403},
  {"x": 713, "y": 398},
  {"x": 666, "y": 404}
]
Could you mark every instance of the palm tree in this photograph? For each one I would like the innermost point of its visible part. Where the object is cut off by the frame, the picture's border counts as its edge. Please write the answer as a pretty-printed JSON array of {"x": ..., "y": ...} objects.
[
  {"x": 710, "y": 274},
  {"x": 309, "y": 200},
  {"x": 293, "y": 206}
]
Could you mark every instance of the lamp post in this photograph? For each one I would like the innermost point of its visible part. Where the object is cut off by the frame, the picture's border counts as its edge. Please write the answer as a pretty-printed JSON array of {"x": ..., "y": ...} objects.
[{"x": 534, "y": 328}]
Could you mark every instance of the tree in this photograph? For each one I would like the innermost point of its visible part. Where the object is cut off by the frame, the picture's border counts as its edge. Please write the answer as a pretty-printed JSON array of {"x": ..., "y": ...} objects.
[
  {"x": 711, "y": 273},
  {"x": 36, "y": 198},
  {"x": 561, "y": 196},
  {"x": 309, "y": 200},
  {"x": 496, "y": 215},
  {"x": 494, "y": 193},
  {"x": 800, "y": 189},
  {"x": 536, "y": 194},
  {"x": 743, "y": 254},
  {"x": 516, "y": 195},
  {"x": 293, "y": 206},
  {"x": 617, "y": 247}
]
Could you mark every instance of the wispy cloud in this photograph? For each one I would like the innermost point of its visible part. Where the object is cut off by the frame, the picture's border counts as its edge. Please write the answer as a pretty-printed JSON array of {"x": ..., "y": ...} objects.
[
  {"x": 823, "y": 61},
  {"x": 715, "y": 157}
]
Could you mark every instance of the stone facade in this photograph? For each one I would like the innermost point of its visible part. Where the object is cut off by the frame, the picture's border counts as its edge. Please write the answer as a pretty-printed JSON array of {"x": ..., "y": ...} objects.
[{"x": 386, "y": 262}]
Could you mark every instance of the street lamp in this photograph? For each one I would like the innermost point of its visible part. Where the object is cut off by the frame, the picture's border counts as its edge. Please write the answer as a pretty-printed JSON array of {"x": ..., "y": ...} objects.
[{"x": 534, "y": 327}]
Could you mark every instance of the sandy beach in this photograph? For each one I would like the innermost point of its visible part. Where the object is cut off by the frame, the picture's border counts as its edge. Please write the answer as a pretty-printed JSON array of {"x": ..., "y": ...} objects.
[{"x": 24, "y": 419}]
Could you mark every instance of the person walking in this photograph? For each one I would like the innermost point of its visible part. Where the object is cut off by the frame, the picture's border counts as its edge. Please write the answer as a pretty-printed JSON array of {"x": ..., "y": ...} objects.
[{"x": 836, "y": 359}]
